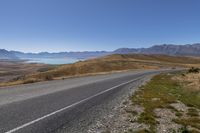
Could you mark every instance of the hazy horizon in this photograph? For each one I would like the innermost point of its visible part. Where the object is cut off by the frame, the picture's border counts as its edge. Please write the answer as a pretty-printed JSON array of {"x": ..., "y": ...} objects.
[{"x": 92, "y": 50}]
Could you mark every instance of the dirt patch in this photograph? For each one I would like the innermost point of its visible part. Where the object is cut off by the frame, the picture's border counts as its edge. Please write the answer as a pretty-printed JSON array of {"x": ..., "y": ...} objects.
[
  {"x": 165, "y": 119},
  {"x": 179, "y": 106}
]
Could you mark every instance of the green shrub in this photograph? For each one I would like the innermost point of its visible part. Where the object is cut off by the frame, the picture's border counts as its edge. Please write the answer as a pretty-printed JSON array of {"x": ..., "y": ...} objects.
[
  {"x": 28, "y": 81},
  {"x": 194, "y": 70},
  {"x": 48, "y": 77}
]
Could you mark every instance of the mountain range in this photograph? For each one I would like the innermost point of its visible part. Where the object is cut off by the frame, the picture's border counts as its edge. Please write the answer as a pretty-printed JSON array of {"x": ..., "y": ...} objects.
[
  {"x": 166, "y": 49},
  {"x": 4, "y": 54},
  {"x": 75, "y": 55}
]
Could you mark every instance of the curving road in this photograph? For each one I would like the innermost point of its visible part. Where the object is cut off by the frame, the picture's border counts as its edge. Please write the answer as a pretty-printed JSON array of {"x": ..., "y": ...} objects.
[{"x": 45, "y": 107}]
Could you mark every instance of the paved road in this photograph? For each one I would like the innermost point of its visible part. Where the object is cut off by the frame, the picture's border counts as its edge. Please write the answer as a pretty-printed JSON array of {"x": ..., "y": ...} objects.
[{"x": 46, "y": 106}]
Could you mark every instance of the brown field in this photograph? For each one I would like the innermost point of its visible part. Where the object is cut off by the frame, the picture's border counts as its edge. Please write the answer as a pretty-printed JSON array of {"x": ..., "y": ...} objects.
[
  {"x": 103, "y": 65},
  {"x": 12, "y": 69}
]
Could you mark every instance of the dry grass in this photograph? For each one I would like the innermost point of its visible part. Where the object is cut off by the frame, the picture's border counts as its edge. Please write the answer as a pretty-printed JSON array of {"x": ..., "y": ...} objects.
[
  {"x": 10, "y": 70},
  {"x": 161, "y": 92},
  {"x": 190, "y": 80},
  {"x": 108, "y": 64}
]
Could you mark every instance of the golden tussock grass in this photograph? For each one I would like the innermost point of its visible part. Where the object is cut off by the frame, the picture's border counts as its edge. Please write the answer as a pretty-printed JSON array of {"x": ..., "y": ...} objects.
[
  {"x": 110, "y": 63},
  {"x": 190, "y": 80}
]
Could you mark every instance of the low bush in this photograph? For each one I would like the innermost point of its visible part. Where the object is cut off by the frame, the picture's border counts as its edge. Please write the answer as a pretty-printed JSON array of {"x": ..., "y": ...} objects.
[
  {"x": 28, "y": 81},
  {"x": 49, "y": 77},
  {"x": 194, "y": 70}
]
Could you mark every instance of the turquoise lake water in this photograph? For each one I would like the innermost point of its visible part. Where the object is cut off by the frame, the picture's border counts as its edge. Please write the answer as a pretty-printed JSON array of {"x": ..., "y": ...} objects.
[{"x": 53, "y": 61}]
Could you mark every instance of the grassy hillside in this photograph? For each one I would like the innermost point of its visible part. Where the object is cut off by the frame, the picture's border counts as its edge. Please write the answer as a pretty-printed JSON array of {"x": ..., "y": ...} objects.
[{"x": 108, "y": 64}]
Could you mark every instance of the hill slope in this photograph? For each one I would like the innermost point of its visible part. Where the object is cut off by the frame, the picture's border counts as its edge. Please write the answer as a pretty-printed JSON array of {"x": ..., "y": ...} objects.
[{"x": 108, "y": 64}]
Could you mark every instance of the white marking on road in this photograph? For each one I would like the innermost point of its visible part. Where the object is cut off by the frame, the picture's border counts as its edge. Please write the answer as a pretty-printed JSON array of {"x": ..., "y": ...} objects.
[{"x": 67, "y": 107}]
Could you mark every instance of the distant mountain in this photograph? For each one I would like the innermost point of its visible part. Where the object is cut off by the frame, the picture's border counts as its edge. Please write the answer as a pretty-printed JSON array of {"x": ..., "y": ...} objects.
[
  {"x": 76, "y": 55},
  {"x": 4, "y": 54},
  {"x": 167, "y": 49},
  {"x": 126, "y": 50}
]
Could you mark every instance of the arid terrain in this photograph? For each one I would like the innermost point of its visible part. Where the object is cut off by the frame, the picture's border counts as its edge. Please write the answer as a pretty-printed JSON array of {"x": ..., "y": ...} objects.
[
  {"x": 30, "y": 73},
  {"x": 12, "y": 69}
]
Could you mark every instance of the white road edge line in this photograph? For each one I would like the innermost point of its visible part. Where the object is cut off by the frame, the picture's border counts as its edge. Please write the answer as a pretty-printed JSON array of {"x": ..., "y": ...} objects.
[{"x": 62, "y": 109}]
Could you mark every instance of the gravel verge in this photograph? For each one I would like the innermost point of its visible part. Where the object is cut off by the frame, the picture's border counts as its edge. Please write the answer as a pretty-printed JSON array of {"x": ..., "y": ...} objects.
[{"x": 109, "y": 115}]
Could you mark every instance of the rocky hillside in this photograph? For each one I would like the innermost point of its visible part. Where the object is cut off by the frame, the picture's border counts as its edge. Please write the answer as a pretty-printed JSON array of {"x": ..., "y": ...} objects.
[{"x": 167, "y": 49}]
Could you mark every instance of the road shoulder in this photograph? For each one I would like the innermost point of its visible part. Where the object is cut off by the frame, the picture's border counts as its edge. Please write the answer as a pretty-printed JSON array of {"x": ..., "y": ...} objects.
[
  {"x": 99, "y": 117},
  {"x": 168, "y": 103}
]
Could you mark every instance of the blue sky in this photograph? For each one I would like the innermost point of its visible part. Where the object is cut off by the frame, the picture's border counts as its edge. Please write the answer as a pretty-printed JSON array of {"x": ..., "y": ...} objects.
[{"x": 79, "y": 25}]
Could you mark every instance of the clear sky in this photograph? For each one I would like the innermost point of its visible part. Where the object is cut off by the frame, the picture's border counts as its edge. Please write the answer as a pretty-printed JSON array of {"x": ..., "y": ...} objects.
[{"x": 79, "y": 25}]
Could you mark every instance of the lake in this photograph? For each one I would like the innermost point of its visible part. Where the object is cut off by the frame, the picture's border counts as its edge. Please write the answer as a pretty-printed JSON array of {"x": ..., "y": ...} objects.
[{"x": 53, "y": 61}]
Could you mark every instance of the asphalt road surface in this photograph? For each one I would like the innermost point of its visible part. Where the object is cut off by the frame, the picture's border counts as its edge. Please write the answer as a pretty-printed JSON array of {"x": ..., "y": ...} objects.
[{"x": 46, "y": 106}]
